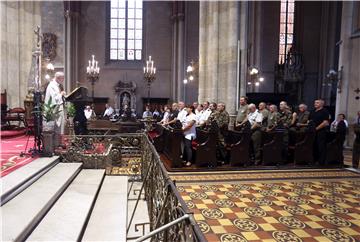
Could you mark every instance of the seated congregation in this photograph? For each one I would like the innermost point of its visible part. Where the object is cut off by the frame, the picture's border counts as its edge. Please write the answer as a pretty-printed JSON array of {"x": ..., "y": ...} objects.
[{"x": 205, "y": 136}]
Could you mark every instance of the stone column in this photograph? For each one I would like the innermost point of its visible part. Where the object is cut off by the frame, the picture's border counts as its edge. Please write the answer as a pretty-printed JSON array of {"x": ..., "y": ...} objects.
[
  {"x": 218, "y": 47},
  {"x": 180, "y": 50},
  {"x": 71, "y": 45},
  {"x": 349, "y": 58},
  {"x": 18, "y": 22}
]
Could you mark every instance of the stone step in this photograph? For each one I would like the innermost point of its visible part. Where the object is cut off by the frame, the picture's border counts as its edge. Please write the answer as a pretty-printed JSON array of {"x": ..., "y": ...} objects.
[
  {"x": 108, "y": 218},
  {"x": 20, "y": 179},
  {"x": 23, "y": 212},
  {"x": 66, "y": 219}
]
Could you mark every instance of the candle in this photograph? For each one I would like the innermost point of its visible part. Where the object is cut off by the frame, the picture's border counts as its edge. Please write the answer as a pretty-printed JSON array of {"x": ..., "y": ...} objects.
[
  {"x": 154, "y": 70},
  {"x": 89, "y": 63},
  {"x": 144, "y": 69},
  {"x": 87, "y": 69},
  {"x": 152, "y": 64},
  {"x": 96, "y": 64}
]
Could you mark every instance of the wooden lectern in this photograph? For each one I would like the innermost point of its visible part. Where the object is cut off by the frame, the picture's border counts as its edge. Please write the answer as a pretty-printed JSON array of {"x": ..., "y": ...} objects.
[{"x": 79, "y": 97}]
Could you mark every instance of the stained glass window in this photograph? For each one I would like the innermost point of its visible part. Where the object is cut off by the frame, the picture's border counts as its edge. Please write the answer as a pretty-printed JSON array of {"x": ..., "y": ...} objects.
[
  {"x": 126, "y": 29},
  {"x": 286, "y": 37}
]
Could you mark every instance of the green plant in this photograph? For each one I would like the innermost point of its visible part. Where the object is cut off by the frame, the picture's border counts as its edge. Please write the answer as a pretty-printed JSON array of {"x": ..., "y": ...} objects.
[
  {"x": 70, "y": 110},
  {"x": 50, "y": 111}
]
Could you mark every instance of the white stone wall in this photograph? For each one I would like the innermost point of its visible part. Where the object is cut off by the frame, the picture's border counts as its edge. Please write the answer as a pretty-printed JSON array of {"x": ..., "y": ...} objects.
[
  {"x": 18, "y": 21},
  {"x": 350, "y": 60}
]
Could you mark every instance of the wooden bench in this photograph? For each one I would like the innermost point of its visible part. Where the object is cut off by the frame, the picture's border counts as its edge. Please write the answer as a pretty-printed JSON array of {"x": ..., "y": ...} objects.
[
  {"x": 172, "y": 145},
  {"x": 205, "y": 148},
  {"x": 303, "y": 149},
  {"x": 102, "y": 126},
  {"x": 334, "y": 150},
  {"x": 157, "y": 137},
  {"x": 238, "y": 146},
  {"x": 273, "y": 147}
]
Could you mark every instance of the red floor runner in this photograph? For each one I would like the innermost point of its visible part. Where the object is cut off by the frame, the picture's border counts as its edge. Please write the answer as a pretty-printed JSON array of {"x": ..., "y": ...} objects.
[{"x": 10, "y": 150}]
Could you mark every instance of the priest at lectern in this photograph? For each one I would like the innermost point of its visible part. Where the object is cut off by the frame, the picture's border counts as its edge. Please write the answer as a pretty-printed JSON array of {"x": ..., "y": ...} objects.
[{"x": 57, "y": 97}]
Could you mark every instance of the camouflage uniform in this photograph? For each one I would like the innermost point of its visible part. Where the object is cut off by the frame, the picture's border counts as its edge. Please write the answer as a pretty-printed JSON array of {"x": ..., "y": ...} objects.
[
  {"x": 265, "y": 113},
  {"x": 285, "y": 120},
  {"x": 242, "y": 114},
  {"x": 222, "y": 120},
  {"x": 273, "y": 120}
]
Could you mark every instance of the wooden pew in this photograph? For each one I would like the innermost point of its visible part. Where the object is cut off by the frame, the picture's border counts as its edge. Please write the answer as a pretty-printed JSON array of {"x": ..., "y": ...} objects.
[
  {"x": 334, "y": 150},
  {"x": 172, "y": 145},
  {"x": 273, "y": 147},
  {"x": 101, "y": 127},
  {"x": 157, "y": 137},
  {"x": 238, "y": 146},
  {"x": 205, "y": 148},
  {"x": 303, "y": 149}
]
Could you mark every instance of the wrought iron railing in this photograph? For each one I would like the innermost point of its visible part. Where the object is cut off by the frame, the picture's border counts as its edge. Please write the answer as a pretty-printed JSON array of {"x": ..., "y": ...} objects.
[{"x": 170, "y": 218}]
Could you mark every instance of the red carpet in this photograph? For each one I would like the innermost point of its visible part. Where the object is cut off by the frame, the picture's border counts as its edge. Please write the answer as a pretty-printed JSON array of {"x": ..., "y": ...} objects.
[{"x": 10, "y": 150}]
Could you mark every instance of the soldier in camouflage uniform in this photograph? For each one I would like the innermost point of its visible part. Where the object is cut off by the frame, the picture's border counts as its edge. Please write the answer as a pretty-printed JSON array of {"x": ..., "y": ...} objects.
[
  {"x": 273, "y": 118},
  {"x": 272, "y": 123},
  {"x": 222, "y": 119},
  {"x": 241, "y": 118},
  {"x": 265, "y": 114},
  {"x": 285, "y": 120}
]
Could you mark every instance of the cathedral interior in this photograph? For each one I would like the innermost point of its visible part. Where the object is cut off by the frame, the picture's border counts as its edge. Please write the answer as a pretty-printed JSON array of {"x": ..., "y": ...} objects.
[{"x": 132, "y": 120}]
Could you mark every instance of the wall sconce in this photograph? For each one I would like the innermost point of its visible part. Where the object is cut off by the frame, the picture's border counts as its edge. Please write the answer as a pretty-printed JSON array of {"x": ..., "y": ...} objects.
[
  {"x": 336, "y": 76},
  {"x": 255, "y": 79}
]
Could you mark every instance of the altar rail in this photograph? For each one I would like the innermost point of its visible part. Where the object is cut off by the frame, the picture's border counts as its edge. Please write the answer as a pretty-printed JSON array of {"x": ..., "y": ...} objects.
[{"x": 170, "y": 218}]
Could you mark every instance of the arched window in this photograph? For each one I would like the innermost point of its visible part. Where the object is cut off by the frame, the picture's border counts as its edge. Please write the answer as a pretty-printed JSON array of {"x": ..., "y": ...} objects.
[
  {"x": 286, "y": 37},
  {"x": 126, "y": 29}
]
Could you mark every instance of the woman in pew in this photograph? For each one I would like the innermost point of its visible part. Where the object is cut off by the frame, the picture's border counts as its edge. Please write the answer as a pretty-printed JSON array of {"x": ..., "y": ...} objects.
[{"x": 189, "y": 129}]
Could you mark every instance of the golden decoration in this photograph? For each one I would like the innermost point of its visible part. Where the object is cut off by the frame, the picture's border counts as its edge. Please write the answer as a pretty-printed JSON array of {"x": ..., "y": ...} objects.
[
  {"x": 268, "y": 193},
  {"x": 241, "y": 187}
]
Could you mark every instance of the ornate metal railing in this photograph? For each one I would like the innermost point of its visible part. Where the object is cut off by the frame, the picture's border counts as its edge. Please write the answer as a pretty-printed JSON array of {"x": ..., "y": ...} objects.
[{"x": 170, "y": 218}]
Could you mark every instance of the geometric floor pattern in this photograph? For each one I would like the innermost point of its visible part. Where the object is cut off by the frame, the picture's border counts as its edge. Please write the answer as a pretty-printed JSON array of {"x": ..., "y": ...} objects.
[{"x": 326, "y": 210}]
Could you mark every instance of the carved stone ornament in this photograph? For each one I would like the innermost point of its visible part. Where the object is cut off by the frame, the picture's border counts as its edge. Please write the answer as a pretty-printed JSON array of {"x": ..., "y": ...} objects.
[
  {"x": 49, "y": 45},
  {"x": 125, "y": 95}
]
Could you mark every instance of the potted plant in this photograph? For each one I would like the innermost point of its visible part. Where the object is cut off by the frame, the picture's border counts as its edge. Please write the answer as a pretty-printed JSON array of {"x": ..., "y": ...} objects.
[
  {"x": 70, "y": 112},
  {"x": 50, "y": 112}
]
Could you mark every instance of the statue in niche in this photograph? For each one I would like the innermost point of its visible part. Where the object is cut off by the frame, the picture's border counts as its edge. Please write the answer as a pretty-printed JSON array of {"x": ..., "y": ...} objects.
[{"x": 125, "y": 100}]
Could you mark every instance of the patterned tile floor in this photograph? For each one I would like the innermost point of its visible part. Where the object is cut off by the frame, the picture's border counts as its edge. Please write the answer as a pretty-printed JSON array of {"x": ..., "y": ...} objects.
[{"x": 327, "y": 210}]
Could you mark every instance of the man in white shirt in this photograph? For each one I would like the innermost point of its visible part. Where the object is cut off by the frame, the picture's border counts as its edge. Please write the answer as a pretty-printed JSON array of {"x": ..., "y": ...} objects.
[
  {"x": 255, "y": 118},
  {"x": 89, "y": 113},
  {"x": 189, "y": 129},
  {"x": 206, "y": 114},
  {"x": 198, "y": 112},
  {"x": 57, "y": 97},
  {"x": 108, "y": 111},
  {"x": 182, "y": 112}
]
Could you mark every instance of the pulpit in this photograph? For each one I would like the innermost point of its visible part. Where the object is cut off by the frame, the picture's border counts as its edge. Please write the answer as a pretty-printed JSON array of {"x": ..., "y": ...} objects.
[{"x": 79, "y": 97}]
